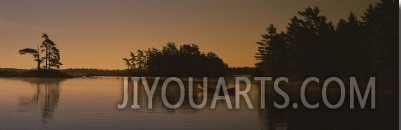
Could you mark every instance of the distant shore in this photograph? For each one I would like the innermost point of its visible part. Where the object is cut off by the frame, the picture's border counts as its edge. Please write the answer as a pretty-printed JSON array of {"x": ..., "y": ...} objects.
[
  {"x": 83, "y": 72},
  {"x": 34, "y": 73}
]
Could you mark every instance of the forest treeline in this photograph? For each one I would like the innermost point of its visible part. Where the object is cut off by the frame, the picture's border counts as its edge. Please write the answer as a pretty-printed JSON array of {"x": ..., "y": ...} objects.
[
  {"x": 185, "y": 60},
  {"x": 313, "y": 46}
]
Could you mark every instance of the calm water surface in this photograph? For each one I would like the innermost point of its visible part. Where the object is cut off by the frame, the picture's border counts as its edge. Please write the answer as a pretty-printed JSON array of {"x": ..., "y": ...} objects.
[{"x": 91, "y": 103}]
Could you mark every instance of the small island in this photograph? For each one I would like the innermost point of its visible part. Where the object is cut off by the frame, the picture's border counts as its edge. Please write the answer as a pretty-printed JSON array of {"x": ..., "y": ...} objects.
[{"x": 51, "y": 61}]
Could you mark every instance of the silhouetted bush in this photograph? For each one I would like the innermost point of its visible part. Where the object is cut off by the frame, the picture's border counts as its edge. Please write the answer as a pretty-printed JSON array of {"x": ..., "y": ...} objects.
[{"x": 187, "y": 60}]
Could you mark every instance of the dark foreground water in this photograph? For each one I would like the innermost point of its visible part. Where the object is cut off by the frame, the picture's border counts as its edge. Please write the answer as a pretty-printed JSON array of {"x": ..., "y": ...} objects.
[{"x": 91, "y": 103}]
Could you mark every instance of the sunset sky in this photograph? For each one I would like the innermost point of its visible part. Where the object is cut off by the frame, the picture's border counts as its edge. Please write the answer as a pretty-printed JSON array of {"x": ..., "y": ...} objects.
[{"x": 99, "y": 33}]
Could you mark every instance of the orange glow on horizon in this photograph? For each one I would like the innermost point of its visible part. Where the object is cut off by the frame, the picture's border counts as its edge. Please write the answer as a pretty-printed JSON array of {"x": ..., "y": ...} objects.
[{"x": 98, "y": 34}]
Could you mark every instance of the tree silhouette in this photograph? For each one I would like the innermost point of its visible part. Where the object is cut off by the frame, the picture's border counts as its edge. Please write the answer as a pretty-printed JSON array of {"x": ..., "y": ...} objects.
[
  {"x": 141, "y": 59},
  {"x": 272, "y": 52},
  {"x": 381, "y": 35},
  {"x": 348, "y": 37},
  {"x": 130, "y": 62},
  {"x": 35, "y": 54},
  {"x": 127, "y": 63},
  {"x": 52, "y": 53}
]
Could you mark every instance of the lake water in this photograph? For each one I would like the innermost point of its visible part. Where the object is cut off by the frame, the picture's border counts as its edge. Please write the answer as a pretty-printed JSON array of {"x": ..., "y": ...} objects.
[{"x": 91, "y": 103}]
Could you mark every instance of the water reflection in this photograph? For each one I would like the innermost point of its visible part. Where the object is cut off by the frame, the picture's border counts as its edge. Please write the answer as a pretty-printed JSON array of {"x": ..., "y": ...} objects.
[
  {"x": 91, "y": 103},
  {"x": 385, "y": 116},
  {"x": 46, "y": 97},
  {"x": 172, "y": 95}
]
